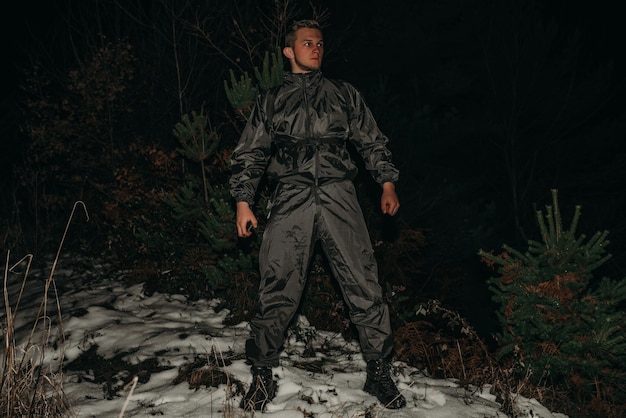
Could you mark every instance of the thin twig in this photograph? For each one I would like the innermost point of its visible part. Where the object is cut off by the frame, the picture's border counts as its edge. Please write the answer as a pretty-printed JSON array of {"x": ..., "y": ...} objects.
[{"x": 130, "y": 393}]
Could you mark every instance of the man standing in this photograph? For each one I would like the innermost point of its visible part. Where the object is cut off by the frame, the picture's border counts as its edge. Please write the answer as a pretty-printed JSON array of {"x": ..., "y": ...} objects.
[{"x": 298, "y": 133}]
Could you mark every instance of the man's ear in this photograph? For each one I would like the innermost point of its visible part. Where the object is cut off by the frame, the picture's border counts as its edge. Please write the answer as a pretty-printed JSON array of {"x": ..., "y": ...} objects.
[{"x": 288, "y": 52}]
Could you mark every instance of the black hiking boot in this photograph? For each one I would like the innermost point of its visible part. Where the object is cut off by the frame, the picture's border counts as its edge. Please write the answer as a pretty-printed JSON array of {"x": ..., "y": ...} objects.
[
  {"x": 379, "y": 384},
  {"x": 262, "y": 390}
]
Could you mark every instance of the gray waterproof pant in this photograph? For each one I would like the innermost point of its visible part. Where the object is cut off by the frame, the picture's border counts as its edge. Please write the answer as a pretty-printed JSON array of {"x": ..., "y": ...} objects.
[{"x": 300, "y": 216}]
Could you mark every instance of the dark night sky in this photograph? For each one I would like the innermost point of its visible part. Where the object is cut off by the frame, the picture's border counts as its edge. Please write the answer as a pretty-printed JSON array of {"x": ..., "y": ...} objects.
[
  {"x": 601, "y": 26},
  {"x": 600, "y": 23}
]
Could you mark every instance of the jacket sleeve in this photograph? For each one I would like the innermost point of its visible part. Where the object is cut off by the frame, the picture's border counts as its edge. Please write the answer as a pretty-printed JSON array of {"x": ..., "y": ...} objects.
[
  {"x": 369, "y": 141},
  {"x": 251, "y": 155}
]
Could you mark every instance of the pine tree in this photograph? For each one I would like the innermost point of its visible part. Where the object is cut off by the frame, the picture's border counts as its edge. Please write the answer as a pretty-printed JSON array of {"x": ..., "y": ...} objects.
[
  {"x": 564, "y": 327},
  {"x": 198, "y": 142},
  {"x": 242, "y": 93},
  {"x": 210, "y": 263},
  {"x": 201, "y": 235}
]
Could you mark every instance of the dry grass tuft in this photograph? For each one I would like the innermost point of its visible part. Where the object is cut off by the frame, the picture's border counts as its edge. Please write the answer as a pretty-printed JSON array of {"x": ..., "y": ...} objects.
[{"x": 31, "y": 385}]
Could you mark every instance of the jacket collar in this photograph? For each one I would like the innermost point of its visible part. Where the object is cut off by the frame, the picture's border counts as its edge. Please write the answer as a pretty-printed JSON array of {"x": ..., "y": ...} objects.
[{"x": 302, "y": 79}]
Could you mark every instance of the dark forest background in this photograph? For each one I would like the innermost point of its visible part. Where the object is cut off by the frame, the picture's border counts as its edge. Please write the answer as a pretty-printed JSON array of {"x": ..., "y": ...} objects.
[{"x": 489, "y": 105}]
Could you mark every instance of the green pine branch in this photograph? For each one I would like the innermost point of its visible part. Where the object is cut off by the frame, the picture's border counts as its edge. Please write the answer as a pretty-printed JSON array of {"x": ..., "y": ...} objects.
[{"x": 243, "y": 92}]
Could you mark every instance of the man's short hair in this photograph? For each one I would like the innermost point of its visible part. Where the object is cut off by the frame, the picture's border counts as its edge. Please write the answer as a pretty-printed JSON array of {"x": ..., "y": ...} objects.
[{"x": 290, "y": 37}]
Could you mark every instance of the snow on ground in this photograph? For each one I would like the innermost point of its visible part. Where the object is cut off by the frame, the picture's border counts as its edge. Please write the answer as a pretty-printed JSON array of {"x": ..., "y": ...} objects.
[{"x": 100, "y": 310}]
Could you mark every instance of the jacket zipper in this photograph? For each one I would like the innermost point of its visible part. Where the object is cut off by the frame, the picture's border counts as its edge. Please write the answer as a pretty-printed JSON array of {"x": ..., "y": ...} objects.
[
  {"x": 309, "y": 138},
  {"x": 309, "y": 130}
]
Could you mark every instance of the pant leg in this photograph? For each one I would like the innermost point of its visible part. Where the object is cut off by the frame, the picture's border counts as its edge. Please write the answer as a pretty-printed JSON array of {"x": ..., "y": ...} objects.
[
  {"x": 347, "y": 244},
  {"x": 284, "y": 258}
]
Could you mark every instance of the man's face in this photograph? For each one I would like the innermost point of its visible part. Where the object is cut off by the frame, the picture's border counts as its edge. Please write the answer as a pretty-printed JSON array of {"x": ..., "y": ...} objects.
[{"x": 307, "y": 52}]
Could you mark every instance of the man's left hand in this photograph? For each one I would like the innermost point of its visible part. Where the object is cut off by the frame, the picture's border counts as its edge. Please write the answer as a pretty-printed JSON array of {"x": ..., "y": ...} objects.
[{"x": 389, "y": 202}]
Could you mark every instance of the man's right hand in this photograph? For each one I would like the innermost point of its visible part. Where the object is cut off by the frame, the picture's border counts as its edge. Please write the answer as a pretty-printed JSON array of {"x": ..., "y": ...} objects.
[{"x": 245, "y": 219}]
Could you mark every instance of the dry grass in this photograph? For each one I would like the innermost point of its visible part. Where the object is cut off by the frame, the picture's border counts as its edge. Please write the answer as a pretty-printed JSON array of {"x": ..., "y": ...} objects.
[{"x": 32, "y": 386}]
